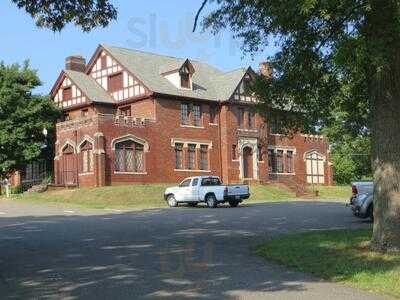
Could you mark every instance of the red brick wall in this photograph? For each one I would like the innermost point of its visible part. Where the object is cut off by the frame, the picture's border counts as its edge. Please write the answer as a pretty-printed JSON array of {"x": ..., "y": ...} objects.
[{"x": 160, "y": 159}]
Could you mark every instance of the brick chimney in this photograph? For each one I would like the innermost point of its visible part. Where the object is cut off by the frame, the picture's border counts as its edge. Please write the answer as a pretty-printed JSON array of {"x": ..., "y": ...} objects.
[
  {"x": 265, "y": 69},
  {"x": 75, "y": 63}
]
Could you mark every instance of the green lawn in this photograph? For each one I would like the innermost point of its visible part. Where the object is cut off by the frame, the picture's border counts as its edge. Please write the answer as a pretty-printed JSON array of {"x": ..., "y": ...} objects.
[
  {"x": 339, "y": 192},
  {"x": 136, "y": 196},
  {"x": 339, "y": 255},
  {"x": 151, "y": 195}
]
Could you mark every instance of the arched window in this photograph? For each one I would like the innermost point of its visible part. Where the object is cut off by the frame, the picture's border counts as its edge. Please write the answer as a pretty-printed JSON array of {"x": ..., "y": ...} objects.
[
  {"x": 86, "y": 150},
  {"x": 129, "y": 157}
]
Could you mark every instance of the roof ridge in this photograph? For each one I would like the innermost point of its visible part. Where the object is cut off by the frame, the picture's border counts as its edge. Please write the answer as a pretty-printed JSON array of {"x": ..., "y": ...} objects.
[{"x": 163, "y": 55}]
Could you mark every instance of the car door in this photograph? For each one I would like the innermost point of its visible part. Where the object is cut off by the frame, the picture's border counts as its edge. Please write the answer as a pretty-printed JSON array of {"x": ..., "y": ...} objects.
[
  {"x": 184, "y": 190},
  {"x": 194, "y": 191}
]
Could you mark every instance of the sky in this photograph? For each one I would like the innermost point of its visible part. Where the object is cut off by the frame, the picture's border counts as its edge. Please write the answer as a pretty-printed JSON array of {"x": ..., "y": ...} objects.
[{"x": 157, "y": 26}]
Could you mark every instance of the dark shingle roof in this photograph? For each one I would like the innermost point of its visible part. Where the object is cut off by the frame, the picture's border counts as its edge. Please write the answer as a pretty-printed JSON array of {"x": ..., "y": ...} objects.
[
  {"x": 89, "y": 87},
  {"x": 209, "y": 83}
]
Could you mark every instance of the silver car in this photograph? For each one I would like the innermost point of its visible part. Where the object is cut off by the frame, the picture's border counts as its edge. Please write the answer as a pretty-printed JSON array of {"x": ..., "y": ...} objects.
[{"x": 363, "y": 205}]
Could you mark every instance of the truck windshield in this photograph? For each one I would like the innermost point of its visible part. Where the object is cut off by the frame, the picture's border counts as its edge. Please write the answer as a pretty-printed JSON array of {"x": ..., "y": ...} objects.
[{"x": 210, "y": 181}]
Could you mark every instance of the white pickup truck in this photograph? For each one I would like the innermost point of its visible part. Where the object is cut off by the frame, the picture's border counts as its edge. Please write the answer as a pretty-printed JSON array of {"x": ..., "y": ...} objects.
[{"x": 208, "y": 189}]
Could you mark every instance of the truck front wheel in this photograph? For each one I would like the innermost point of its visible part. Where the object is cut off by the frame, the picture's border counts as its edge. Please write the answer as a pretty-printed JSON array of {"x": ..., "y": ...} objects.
[
  {"x": 211, "y": 201},
  {"x": 172, "y": 201}
]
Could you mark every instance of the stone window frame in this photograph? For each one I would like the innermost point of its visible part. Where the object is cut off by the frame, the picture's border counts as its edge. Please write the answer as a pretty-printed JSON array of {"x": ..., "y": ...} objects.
[
  {"x": 185, "y": 144},
  {"x": 85, "y": 139},
  {"x": 134, "y": 139},
  {"x": 275, "y": 149}
]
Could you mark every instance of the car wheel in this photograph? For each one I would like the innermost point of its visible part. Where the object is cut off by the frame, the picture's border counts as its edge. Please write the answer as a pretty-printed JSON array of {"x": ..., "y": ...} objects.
[
  {"x": 192, "y": 204},
  {"x": 211, "y": 201},
  {"x": 233, "y": 203},
  {"x": 172, "y": 201}
]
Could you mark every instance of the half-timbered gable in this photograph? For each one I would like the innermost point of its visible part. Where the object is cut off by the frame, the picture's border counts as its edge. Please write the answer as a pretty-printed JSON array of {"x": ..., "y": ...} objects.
[
  {"x": 242, "y": 92},
  {"x": 68, "y": 94},
  {"x": 115, "y": 78}
]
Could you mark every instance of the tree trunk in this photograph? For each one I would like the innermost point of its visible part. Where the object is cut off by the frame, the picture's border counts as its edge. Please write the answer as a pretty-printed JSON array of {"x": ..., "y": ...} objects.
[{"x": 383, "y": 44}]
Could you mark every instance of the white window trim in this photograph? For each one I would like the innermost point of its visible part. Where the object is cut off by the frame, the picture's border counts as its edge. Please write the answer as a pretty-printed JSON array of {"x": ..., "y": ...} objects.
[
  {"x": 85, "y": 173},
  {"x": 192, "y": 126},
  {"x": 186, "y": 142},
  {"x": 190, "y": 170},
  {"x": 284, "y": 174},
  {"x": 130, "y": 173},
  {"x": 88, "y": 139},
  {"x": 130, "y": 137}
]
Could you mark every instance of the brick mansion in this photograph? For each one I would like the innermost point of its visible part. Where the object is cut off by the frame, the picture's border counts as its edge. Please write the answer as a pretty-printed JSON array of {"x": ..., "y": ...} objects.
[{"x": 132, "y": 116}]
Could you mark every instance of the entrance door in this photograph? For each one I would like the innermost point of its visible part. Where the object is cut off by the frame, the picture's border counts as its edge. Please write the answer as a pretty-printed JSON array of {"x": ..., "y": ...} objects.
[
  {"x": 247, "y": 163},
  {"x": 69, "y": 168}
]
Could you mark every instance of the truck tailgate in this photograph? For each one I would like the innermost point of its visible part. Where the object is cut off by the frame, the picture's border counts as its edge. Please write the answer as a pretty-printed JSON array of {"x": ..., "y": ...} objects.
[{"x": 238, "y": 189}]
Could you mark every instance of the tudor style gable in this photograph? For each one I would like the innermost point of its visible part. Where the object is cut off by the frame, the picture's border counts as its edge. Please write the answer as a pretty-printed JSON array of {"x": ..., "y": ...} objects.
[
  {"x": 114, "y": 78},
  {"x": 67, "y": 94},
  {"x": 242, "y": 92}
]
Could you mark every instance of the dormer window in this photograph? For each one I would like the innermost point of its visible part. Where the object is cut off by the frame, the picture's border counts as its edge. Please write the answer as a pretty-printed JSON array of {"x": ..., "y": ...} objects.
[
  {"x": 180, "y": 74},
  {"x": 186, "y": 75},
  {"x": 185, "y": 81}
]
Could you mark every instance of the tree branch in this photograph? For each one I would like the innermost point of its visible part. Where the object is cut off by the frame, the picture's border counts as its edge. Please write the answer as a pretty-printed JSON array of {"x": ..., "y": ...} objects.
[{"x": 198, "y": 14}]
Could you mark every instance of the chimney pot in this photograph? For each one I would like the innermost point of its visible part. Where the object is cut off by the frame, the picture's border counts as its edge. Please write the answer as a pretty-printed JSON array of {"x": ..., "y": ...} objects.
[
  {"x": 265, "y": 69},
  {"x": 75, "y": 63}
]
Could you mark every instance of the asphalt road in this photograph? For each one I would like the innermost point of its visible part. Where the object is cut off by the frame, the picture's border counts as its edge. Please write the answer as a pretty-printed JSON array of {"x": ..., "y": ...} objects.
[{"x": 51, "y": 252}]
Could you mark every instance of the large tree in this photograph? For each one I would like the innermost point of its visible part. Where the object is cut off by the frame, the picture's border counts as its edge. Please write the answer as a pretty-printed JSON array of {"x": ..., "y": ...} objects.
[
  {"x": 330, "y": 50},
  {"x": 55, "y": 14},
  {"x": 23, "y": 116}
]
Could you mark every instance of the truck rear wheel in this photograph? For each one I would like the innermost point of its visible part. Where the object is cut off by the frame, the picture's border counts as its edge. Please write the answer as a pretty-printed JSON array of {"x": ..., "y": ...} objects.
[
  {"x": 211, "y": 201},
  {"x": 233, "y": 203}
]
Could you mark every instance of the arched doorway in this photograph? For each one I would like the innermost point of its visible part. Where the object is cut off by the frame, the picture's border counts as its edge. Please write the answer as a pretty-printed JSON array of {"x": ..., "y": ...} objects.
[
  {"x": 248, "y": 163},
  {"x": 69, "y": 168}
]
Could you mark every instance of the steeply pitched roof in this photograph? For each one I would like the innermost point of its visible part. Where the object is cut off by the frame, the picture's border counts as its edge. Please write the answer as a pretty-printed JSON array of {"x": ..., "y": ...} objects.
[
  {"x": 89, "y": 87},
  {"x": 209, "y": 83}
]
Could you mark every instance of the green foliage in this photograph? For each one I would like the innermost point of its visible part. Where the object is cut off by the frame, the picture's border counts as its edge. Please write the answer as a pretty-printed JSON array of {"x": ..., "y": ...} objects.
[
  {"x": 56, "y": 14},
  {"x": 322, "y": 57},
  {"x": 23, "y": 116}
]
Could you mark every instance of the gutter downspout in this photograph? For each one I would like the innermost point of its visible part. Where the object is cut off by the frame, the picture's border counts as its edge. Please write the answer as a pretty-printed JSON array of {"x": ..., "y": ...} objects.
[{"x": 220, "y": 140}]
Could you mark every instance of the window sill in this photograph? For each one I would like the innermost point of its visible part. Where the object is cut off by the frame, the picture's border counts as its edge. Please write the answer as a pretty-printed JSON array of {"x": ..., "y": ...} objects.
[
  {"x": 213, "y": 124},
  {"x": 188, "y": 170},
  {"x": 286, "y": 174},
  {"x": 192, "y": 126},
  {"x": 278, "y": 134},
  {"x": 86, "y": 174},
  {"x": 235, "y": 160},
  {"x": 247, "y": 130},
  {"x": 130, "y": 173}
]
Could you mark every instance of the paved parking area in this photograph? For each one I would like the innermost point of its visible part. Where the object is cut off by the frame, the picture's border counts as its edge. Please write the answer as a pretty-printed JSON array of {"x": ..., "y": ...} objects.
[{"x": 55, "y": 252}]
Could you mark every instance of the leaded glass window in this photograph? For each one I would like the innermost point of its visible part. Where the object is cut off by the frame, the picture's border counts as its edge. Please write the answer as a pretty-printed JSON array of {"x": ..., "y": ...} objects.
[
  {"x": 129, "y": 157},
  {"x": 178, "y": 156},
  {"x": 203, "y": 157},
  {"x": 197, "y": 115},
  {"x": 86, "y": 157},
  {"x": 191, "y": 156},
  {"x": 184, "y": 114}
]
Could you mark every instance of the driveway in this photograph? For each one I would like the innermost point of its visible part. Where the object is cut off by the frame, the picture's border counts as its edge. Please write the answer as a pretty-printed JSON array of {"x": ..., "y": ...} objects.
[{"x": 52, "y": 252}]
